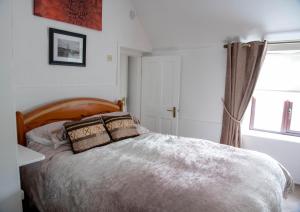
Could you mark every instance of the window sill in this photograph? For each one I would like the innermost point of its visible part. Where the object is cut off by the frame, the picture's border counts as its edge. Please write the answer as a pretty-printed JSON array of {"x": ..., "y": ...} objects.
[{"x": 273, "y": 136}]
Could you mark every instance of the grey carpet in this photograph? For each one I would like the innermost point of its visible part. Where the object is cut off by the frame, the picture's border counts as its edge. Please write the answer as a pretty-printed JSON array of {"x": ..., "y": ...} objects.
[{"x": 292, "y": 204}]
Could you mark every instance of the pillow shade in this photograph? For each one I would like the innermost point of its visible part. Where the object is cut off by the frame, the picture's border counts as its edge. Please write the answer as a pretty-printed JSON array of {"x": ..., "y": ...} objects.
[
  {"x": 86, "y": 134},
  {"x": 135, "y": 119},
  {"x": 52, "y": 134},
  {"x": 120, "y": 127}
]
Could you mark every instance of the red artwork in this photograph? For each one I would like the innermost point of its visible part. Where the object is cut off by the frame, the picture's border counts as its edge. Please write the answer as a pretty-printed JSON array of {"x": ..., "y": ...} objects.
[{"x": 87, "y": 13}]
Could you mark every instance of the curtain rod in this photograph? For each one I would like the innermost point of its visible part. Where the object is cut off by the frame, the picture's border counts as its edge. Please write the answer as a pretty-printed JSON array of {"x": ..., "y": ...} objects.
[{"x": 279, "y": 42}]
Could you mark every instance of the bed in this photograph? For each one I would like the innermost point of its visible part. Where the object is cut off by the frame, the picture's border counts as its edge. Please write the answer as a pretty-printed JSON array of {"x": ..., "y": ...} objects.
[{"x": 150, "y": 172}]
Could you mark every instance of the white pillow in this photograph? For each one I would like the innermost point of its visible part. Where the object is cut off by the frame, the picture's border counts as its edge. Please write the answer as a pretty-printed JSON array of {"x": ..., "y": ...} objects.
[
  {"x": 50, "y": 134},
  {"x": 142, "y": 130}
]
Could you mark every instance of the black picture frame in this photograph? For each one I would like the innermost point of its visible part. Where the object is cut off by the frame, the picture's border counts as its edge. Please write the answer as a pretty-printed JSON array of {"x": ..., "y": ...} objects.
[{"x": 78, "y": 51}]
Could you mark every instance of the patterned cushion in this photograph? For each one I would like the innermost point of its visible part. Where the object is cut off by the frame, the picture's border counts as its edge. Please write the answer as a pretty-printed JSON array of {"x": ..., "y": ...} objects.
[
  {"x": 86, "y": 134},
  {"x": 120, "y": 127},
  {"x": 135, "y": 119}
]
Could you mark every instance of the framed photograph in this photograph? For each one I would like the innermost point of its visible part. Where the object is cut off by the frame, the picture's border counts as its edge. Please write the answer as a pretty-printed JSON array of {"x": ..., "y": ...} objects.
[{"x": 66, "y": 48}]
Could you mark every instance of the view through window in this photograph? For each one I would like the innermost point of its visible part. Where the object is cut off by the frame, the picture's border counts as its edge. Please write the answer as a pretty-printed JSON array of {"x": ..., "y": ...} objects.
[{"x": 275, "y": 105}]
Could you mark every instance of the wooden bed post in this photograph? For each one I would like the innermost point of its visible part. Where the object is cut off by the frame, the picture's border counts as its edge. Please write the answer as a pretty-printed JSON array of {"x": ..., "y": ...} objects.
[
  {"x": 120, "y": 104},
  {"x": 20, "y": 128}
]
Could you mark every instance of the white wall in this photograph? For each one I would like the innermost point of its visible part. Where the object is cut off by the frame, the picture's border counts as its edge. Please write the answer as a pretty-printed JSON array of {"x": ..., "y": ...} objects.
[
  {"x": 124, "y": 78},
  {"x": 37, "y": 82},
  {"x": 286, "y": 152},
  {"x": 134, "y": 85},
  {"x": 202, "y": 87},
  {"x": 24, "y": 55},
  {"x": 208, "y": 22},
  {"x": 9, "y": 174},
  {"x": 124, "y": 75}
]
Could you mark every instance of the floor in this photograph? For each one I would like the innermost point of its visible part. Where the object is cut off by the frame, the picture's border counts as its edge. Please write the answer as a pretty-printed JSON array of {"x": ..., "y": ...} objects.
[{"x": 292, "y": 204}]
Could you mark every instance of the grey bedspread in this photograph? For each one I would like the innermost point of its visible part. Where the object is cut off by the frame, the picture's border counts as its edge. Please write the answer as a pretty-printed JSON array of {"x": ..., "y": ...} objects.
[{"x": 155, "y": 172}]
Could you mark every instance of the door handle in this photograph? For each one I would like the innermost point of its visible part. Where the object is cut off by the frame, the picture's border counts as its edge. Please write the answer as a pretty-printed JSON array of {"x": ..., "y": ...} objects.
[{"x": 173, "y": 110}]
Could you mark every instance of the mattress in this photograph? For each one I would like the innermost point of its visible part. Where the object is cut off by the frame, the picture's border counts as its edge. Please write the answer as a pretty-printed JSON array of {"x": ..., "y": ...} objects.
[{"x": 156, "y": 172}]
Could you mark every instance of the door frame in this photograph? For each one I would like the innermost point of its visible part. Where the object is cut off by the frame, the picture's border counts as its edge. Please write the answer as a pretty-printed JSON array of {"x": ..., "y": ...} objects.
[{"x": 130, "y": 53}]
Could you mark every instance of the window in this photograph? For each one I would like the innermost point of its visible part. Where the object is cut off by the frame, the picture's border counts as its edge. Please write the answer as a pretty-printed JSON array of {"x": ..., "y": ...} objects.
[{"x": 275, "y": 105}]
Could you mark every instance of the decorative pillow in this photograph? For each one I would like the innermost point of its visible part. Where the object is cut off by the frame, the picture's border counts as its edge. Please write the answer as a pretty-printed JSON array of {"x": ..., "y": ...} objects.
[
  {"x": 52, "y": 134},
  {"x": 120, "y": 127},
  {"x": 86, "y": 134},
  {"x": 136, "y": 120}
]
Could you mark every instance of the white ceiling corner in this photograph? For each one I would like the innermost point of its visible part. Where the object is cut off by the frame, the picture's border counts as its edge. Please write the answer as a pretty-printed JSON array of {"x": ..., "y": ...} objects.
[{"x": 192, "y": 23}]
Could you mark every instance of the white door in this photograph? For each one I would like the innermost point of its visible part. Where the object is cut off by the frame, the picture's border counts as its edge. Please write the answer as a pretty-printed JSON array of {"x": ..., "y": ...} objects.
[{"x": 160, "y": 93}]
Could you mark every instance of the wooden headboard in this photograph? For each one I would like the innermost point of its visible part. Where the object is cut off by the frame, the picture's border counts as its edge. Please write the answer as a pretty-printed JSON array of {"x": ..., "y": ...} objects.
[{"x": 69, "y": 109}]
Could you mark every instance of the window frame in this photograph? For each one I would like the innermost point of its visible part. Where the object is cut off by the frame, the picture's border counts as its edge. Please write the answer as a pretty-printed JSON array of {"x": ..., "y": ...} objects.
[{"x": 285, "y": 121}]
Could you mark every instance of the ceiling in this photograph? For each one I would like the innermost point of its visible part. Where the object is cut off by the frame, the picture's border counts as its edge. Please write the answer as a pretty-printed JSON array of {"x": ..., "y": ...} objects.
[{"x": 192, "y": 23}]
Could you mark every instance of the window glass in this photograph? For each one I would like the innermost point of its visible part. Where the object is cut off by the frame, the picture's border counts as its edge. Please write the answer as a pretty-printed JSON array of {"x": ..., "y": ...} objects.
[
  {"x": 280, "y": 71},
  {"x": 278, "y": 83},
  {"x": 268, "y": 110}
]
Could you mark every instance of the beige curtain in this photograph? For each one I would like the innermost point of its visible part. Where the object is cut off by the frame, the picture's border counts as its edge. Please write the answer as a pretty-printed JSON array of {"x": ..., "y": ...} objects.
[{"x": 244, "y": 61}]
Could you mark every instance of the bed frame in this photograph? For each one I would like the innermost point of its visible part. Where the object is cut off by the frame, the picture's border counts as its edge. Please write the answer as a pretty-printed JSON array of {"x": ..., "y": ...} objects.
[{"x": 69, "y": 109}]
